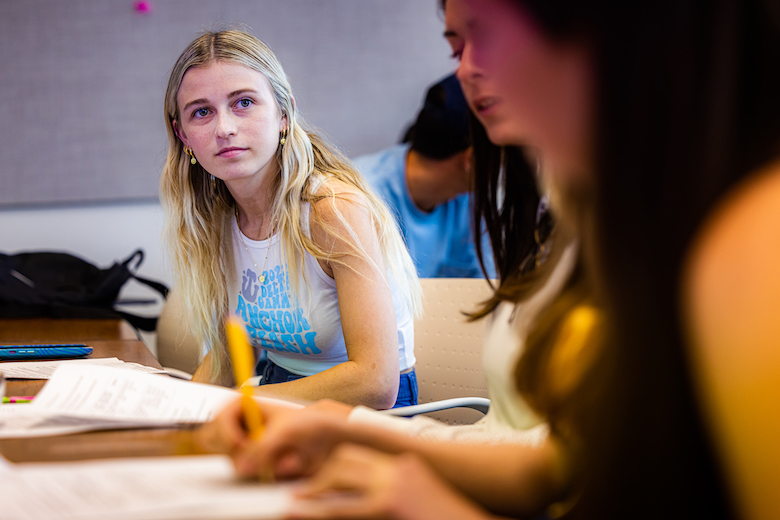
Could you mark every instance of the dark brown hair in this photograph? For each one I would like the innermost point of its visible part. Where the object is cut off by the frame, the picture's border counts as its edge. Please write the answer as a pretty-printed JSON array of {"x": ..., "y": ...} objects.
[
  {"x": 504, "y": 203},
  {"x": 686, "y": 107}
]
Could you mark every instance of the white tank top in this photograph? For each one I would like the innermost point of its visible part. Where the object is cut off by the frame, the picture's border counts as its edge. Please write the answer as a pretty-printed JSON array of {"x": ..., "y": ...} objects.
[{"x": 302, "y": 335}]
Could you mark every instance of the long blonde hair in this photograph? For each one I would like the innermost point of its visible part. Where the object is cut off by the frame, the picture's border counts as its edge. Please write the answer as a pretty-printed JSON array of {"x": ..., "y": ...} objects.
[{"x": 199, "y": 208}]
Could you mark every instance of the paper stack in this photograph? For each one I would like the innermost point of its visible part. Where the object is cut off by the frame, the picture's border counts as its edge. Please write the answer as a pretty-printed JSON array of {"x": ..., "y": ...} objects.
[{"x": 83, "y": 397}]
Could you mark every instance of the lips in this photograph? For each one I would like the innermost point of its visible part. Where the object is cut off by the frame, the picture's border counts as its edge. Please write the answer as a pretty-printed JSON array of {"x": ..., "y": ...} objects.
[
  {"x": 484, "y": 104},
  {"x": 230, "y": 151}
]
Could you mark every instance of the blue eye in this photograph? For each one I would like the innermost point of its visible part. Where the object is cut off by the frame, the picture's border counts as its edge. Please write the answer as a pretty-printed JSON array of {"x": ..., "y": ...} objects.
[
  {"x": 244, "y": 102},
  {"x": 201, "y": 112}
]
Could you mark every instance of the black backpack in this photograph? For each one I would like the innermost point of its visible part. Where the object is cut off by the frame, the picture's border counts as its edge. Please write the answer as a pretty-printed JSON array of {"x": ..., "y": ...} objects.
[{"x": 60, "y": 285}]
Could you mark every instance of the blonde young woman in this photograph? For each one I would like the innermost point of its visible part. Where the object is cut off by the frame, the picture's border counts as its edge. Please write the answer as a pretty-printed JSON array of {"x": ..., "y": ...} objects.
[{"x": 268, "y": 222}]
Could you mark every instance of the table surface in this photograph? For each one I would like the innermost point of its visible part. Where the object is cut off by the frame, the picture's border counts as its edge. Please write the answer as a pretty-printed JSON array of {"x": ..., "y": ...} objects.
[
  {"x": 46, "y": 330},
  {"x": 108, "y": 338}
]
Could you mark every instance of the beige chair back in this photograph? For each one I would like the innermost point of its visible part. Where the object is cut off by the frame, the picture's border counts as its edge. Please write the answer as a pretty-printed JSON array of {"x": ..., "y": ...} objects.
[
  {"x": 448, "y": 348},
  {"x": 175, "y": 347}
]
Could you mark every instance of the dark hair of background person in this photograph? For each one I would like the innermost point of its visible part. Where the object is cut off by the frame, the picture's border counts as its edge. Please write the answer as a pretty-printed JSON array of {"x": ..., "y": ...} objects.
[
  {"x": 442, "y": 126},
  {"x": 446, "y": 126},
  {"x": 504, "y": 201},
  {"x": 686, "y": 107}
]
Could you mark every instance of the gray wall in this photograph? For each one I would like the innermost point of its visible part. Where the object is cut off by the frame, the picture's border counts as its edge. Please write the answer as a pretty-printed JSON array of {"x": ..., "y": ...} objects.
[{"x": 82, "y": 82}]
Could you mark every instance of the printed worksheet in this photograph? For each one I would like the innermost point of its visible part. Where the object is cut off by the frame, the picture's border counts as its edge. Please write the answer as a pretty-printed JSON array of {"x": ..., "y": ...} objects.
[
  {"x": 163, "y": 488},
  {"x": 44, "y": 369},
  {"x": 22, "y": 420},
  {"x": 84, "y": 397},
  {"x": 104, "y": 392}
]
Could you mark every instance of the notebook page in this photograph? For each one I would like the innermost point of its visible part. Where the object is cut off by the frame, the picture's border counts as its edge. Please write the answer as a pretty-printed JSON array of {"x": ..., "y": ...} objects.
[{"x": 164, "y": 488}]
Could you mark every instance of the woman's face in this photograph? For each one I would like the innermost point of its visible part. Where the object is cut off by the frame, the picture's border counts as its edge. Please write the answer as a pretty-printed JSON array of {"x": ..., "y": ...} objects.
[
  {"x": 228, "y": 116},
  {"x": 525, "y": 89}
]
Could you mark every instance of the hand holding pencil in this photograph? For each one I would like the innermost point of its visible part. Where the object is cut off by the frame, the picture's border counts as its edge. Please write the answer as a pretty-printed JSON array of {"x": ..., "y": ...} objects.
[
  {"x": 237, "y": 429},
  {"x": 243, "y": 368}
]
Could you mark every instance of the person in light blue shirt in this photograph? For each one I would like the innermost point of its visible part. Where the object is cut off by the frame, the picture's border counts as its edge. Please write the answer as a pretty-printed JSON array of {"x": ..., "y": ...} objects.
[{"x": 426, "y": 180}]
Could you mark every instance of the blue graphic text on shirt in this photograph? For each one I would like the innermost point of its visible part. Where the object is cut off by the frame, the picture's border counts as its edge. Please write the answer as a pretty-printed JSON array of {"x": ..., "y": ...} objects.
[{"x": 273, "y": 319}]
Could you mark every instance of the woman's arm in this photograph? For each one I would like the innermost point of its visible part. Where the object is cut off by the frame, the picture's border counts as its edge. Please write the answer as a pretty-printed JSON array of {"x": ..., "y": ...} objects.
[
  {"x": 509, "y": 479},
  {"x": 732, "y": 306},
  {"x": 380, "y": 486},
  {"x": 371, "y": 375},
  {"x": 431, "y": 429}
]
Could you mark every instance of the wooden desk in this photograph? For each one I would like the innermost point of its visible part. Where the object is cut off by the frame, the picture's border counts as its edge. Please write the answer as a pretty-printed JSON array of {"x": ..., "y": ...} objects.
[
  {"x": 46, "y": 330},
  {"x": 108, "y": 338}
]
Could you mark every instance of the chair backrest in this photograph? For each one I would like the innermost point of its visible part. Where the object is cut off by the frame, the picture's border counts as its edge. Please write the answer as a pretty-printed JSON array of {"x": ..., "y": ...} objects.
[
  {"x": 447, "y": 347},
  {"x": 176, "y": 348}
]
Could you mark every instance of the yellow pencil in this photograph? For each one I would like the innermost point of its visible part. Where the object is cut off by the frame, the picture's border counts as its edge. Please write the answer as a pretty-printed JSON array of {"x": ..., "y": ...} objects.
[{"x": 243, "y": 368}]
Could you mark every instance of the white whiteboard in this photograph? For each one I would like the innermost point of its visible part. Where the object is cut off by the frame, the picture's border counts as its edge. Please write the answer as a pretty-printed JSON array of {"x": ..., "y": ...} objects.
[{"x": 82, "y": 82}]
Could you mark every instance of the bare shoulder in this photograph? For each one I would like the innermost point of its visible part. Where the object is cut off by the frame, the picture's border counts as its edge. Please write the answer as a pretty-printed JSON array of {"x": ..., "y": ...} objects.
[
  {"x": 337, "y": 203},
  {"x": 732, "y": 309},
  {"x": 341, "y": 220},
  {"x": 337, "y": 190},
  {"x": 733, "y": 267}
]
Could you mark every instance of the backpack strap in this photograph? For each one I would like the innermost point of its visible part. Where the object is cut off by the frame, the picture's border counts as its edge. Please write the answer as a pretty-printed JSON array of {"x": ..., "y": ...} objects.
[
  {"x": 157, "y": 286},
  {"x": 141, "y": 322},
  {"x": 138, "y": 253},
  {"x": 148, "y": 324},
  {"x": 138, "y": 256}
]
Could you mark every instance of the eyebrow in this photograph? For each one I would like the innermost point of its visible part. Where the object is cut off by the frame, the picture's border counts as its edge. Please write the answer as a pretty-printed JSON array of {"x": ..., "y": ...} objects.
[
  {"x": 241, "y": 91},
  {"x": 194, "y": 102},
  {"x": 204, "y": 100},
  {"x": 450, "y": 34}
]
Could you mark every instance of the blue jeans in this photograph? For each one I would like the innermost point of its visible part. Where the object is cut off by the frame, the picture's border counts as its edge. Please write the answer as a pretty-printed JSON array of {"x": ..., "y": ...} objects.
[{"x": 407, "y": 388}]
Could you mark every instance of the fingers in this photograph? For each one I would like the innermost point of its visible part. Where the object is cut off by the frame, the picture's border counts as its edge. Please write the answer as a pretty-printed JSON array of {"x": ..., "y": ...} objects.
[
  {"x": 358, "y": 482},
  {"x": 269, "y": 461},
  {"x": 350, "y": 468},
  {"x": 293, "y": 444},
  {"x": 355, "y": 482},
  {"x": 296, "y": 444},
  {"x": 333, "y": 408},
  {"x": 336, "y": 507},
  {"x": 291, "y": 447},
  {"x": 228, "y": 430},
  {"x": 225, "y": 433}
]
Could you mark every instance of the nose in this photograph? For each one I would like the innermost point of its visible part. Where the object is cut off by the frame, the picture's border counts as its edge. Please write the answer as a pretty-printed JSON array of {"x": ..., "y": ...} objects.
[
  {"x": 467, "y": 70},
  {"x": 226, "y": 125}
]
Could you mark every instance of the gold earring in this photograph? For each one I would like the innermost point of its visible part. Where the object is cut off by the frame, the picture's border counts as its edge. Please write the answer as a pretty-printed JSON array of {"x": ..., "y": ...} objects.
[
  {"x": 189, "y": 152},
  {"x": 283, "y": 137}
]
